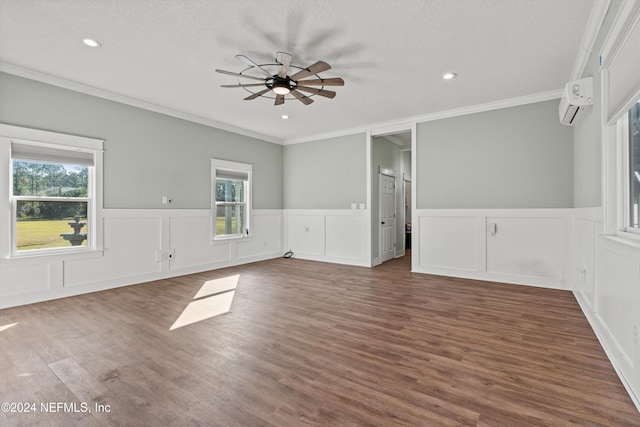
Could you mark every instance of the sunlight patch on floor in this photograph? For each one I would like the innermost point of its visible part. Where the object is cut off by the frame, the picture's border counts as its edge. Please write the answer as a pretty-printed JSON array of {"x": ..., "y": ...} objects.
[
  {"x": 216, "y": 286},
  {"x": 5, "y": 327},
  {"x": 213, "y": 298}
]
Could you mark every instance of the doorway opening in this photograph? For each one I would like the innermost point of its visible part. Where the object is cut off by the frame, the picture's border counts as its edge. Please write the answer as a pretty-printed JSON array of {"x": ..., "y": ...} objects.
[{"x": 391, "y": 196}]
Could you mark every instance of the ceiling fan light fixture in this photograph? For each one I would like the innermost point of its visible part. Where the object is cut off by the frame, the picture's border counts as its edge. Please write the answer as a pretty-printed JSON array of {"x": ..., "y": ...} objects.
[
  {"x": 449, "y": 76},
  {"x": 281, "y": 90}
]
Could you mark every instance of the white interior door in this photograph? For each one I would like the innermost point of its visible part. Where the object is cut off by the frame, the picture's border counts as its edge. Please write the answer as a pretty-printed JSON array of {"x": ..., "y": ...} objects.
[{"x": 387, "y": 199}]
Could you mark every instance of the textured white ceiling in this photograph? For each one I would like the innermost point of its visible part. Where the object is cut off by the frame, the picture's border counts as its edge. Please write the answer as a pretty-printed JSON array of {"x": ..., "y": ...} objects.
[{"x": 390, "y": 53}]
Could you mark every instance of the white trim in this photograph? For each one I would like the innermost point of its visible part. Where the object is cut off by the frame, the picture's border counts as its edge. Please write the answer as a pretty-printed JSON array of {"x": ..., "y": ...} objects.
[
  {"x": 309, "y": 233},
  {"x": 123, "y": 99},
  {"x": 607, "y": 342},
  {"x": 596, "y": 17},
  {"x": 613, "y": 43},
  {"x": 325, "y": 212},
  {"x": 500, "y": 212},
  {"x": 36, "y": 136},
  {"x": 389, "y": 126},
  {"x": 369, "y": 261},
  {"x": 58, "y": 287},
  {"x": 415, "y": 228},
  {"x": 476, "y": 268},
  {"x": 9, "y": 133},
  {"x": 248, "y": 204},
  {"x": 407, "y": 123},
  {"x": 401, "y": 127}
]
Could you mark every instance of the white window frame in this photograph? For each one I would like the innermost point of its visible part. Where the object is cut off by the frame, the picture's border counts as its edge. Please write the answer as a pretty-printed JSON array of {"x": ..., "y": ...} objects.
[
  {"x": 37, "y": 138},
  {"x": 232, "y": 167},
  {"x": 616, "y": 196},
  {"x": 623, "y": 146}
]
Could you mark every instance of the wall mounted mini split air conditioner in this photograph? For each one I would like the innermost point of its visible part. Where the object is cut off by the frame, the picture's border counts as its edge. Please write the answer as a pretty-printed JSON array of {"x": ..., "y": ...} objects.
[{"x": 576, "y": 101}]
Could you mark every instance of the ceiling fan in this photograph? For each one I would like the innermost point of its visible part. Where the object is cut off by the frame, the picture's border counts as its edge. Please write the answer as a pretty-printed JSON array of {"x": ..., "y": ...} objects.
[{"x": 278, "y": 82}]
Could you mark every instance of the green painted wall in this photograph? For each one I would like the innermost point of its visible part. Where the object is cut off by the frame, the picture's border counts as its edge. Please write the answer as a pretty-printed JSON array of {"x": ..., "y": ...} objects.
[
  {"x": 326, "y": 174},
  {"x": 147, "y": 155},
  {"x": 519, "y": 157}
]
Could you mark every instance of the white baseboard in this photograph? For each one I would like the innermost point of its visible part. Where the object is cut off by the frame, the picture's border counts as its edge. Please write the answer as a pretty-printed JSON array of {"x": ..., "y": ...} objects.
[
  {"x": 64, "y": 292},
  {"x": 608, "y": 345},
  {"x": 514, "y": 279}
]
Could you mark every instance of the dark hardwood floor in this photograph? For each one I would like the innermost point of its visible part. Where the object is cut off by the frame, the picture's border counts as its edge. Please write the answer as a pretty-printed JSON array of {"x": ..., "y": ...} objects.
[{"x": 309, "y": 343}]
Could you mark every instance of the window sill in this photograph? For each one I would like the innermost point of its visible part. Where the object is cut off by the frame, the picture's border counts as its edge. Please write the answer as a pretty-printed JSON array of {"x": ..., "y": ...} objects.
[
  {"x": 628, "y": 240},
  {"x": 54, "y": 255},
  {"x": 224, "y": 240}
]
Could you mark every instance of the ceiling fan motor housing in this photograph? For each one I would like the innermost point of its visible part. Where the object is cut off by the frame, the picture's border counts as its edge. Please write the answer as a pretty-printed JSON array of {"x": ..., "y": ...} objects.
[{"x": 281, "y": 85}]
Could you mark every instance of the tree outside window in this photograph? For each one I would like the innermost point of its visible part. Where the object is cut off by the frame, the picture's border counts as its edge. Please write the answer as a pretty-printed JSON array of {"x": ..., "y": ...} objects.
[{"x": 47, "y": 197}]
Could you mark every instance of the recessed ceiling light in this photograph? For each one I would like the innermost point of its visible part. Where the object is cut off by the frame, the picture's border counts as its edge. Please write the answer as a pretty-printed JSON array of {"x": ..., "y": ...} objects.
[
  {"x": 91, "y": 42},
  {"x": 285, "y": 117},
  {"x": 449, "y": 76}
]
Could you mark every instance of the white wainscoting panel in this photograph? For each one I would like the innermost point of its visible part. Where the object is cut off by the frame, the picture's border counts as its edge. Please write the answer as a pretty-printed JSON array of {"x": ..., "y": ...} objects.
[
  {"x": 585, "y": 233},
  {"x": 450, "y": 242},
  {"x": 267, "y": 237},
  {"x": 618, "y": 301},
  {"x": 607, "y": 286},
  {"x": 191, "y": 242},
  {"x": 340, "y": 236},
  {"x": 130, "y": 250},
  {"x": 345, "y": 238},
  {"x": 530, "y": 246},
  {"x": 23, "y": 277},
  {"x": 304, "y": 234},
  {"x": 137, "y": 248}
]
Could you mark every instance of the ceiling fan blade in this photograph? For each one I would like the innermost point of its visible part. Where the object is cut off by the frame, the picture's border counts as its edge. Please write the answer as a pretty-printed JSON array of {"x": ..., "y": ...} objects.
[
  {"x": 304, "y": 99},
  {"x": 321, "y": 92},
  {"x": 231, "y": 73},
  {"x": 257, "y": 94},
  {"x": 334, "y": 81},
  {"x": 316, "y": 68},
  {"x": 249, "y": 85},
  {"x": 279, "y": 100},
  {"x": 284, "y": 59},
  {"x": 251, "y": 63}
]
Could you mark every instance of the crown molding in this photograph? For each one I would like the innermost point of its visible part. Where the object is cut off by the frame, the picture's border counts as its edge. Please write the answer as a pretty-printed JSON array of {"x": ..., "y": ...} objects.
[
  {"x": 112, "y": 96},
  {"x": 407, "y": 123},
  {"x": 375, "y": 128}
]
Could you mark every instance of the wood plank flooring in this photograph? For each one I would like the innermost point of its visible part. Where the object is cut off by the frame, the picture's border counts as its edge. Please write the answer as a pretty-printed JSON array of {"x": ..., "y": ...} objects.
[{"x": 311, "y": 344}]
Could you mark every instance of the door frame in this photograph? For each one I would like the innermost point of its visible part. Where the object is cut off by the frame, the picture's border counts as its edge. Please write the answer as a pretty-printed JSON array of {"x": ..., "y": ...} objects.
[
  {"x": 386, "y": 130},
  {"x": 385, "y": 172}
]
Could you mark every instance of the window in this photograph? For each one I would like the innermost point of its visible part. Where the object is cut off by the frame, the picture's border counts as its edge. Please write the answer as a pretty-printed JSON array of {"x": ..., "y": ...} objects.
[
  {"x": 231, "y": 199},
  {"x": 51, "y": 197},
  {"x": 52, "y": 185},
  {"x": 632, "y": 197},
  {"x": 620, "y": 83}
]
